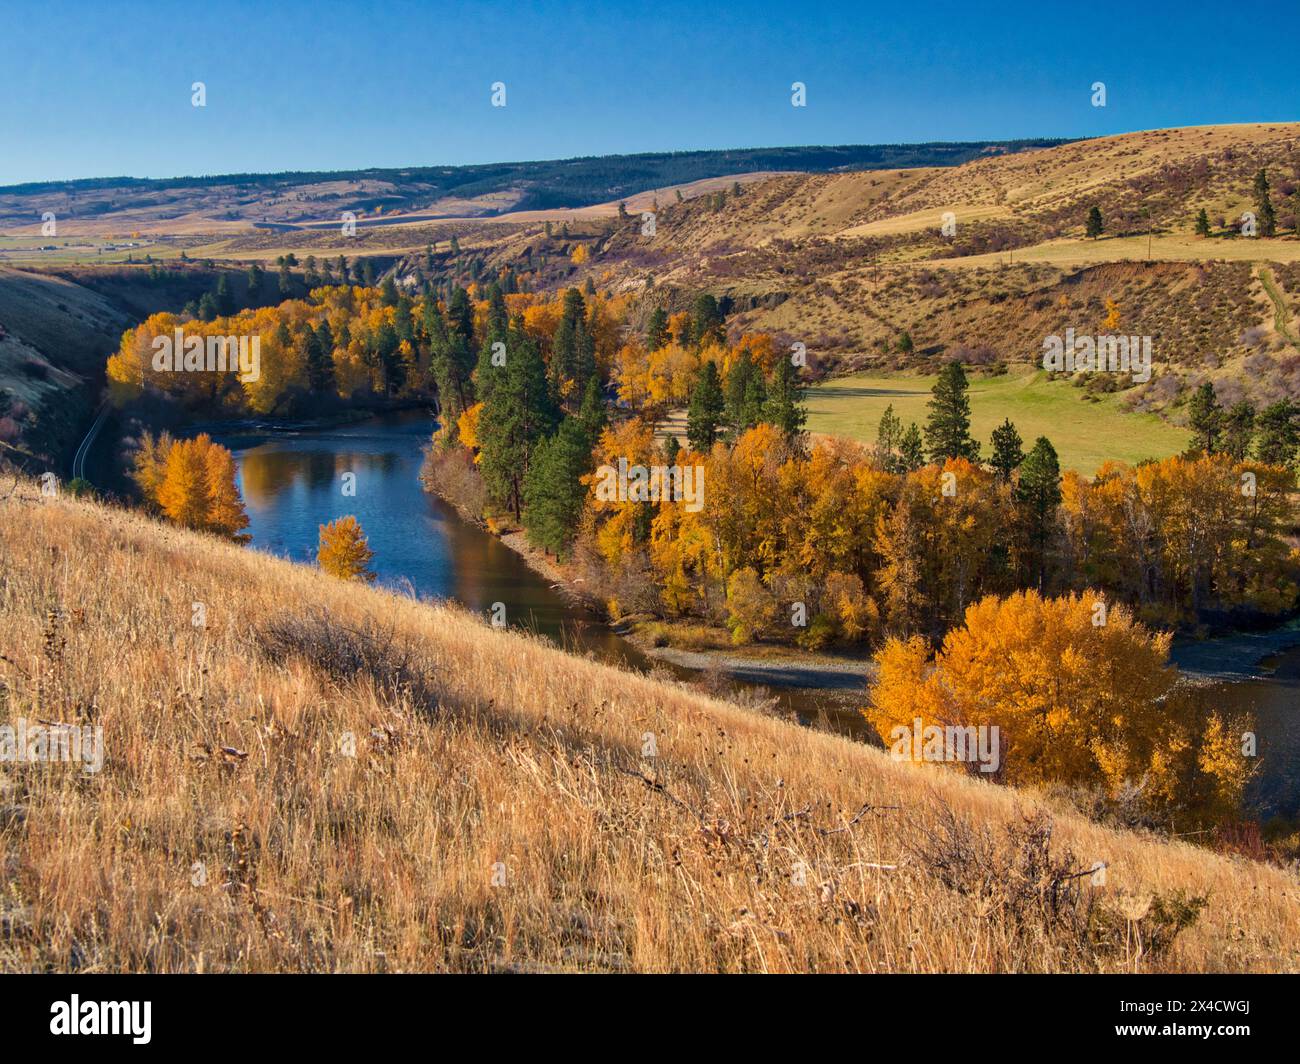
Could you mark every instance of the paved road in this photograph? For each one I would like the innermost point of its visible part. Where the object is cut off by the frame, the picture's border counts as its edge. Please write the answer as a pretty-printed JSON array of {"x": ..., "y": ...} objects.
[{"x": 79, "y": 459}]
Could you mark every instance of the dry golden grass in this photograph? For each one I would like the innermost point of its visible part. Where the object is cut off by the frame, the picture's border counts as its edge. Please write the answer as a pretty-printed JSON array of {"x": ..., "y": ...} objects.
[{"x": 477, "y": 748}]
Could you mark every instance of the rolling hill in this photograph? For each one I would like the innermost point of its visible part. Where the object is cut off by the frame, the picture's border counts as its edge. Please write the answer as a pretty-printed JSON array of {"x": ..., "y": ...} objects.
[{"x": 329, "y": 777}]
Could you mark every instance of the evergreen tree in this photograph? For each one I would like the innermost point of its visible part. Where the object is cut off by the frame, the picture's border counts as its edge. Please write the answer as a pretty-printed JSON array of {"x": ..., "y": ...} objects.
[
  {"x": 255, "y": 277},
  {"x": 889, "y": 437},
  {"x": 368, "y": 273},
  {"x": 744, "y": 394},
  {"x": 782, "y": 407},
  {"x": 656, "y": 330},
  {"x": 553, "y": 490},
  {"x": 1039, "y": 494},
  {"x": 947, "y": 429},
  {"x": 1007, "y": 451},
  {"x": 1205, "y": 418},
  {"x": 705, "y": 410},
  {"x": 517, "y": 413},
  {"x": 225, "y": 299},
  {"x": 320, "y": 364},
  {"x": 706, "y": 321},
  {"x": 1264, "y": 206},
  {"x": 592, "y": 415},
  {"x": 388, "y": 292},
  {"x": 1203, "y": 223},
  {"x": 1238, "y": 430},
  {"x": 1276, "y": 436},
  {"x": 1095, "y": 226},
  {"x": 911, "y": 453}
]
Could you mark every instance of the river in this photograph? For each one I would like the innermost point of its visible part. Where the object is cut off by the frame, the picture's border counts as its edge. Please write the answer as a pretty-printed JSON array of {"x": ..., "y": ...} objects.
[{"x": 293, "y": 482}]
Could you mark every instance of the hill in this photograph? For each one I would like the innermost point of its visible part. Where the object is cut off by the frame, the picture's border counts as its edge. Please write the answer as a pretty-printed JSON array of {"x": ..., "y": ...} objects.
[
  {"x": 234, "y": 201},
  {"x": 328, "y": 777}
]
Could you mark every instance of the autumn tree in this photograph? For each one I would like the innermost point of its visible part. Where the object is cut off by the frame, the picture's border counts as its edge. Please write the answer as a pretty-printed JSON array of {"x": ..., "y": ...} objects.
[
  {"x": 1081, "y": 694},
  {"x": 344, "y": 550}
]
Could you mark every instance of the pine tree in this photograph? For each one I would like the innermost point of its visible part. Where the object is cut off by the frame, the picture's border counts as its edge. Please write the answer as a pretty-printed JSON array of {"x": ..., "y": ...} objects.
[
  {"x": 1276, "y": 435},
  {"x": 225, "y": 300},
  {"x": 947, "y": 429},
  {"x": 320, "y": 359},
  {"x": 569, "y": 337},
  {"x": 553, "y": 489},
  {"x": 911, "y": 453},
  {"x": 344, "y": 550},
  {"x": 705, "y": 411},
  {"x": 1007, "y": 451},
  {"x": 1238, "y": 430},
  {"x": 1203, "y": 223},
  {"x": 592, "y": 415},
  {"x": 656, "y": 330},
  {"x": 744, "y": 394},
  {"x": 517, "y": 413},
  {"x": 1095, "y": 226},
  {"x": 388, "y": 292},
  {"x": 1039, "y": 494},
  {"x": 1205, "y": 418},
  {"x": 889, "y": 436},
  {"x": 782, "y": 407},
  {"x": 1264, "y": 206},
  {"x": 706, "y": 321}
]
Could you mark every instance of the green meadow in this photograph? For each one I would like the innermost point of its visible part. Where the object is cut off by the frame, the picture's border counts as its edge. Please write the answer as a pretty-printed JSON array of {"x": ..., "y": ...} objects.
[{"x": 1085, "y": 433}]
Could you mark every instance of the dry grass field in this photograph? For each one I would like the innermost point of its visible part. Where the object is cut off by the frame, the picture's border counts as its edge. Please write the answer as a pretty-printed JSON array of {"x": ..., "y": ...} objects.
[{"x": 499, "y": 812}]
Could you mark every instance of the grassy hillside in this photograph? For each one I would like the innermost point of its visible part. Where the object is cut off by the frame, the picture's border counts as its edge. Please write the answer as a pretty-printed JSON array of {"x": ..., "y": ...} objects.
[
  {"x": 1084, "y": 433},
  {"x": 500, "y": 812}
]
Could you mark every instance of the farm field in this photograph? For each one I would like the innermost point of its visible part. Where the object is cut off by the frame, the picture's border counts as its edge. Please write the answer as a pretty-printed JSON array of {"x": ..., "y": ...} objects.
[{"x": 1085, "y": 433}]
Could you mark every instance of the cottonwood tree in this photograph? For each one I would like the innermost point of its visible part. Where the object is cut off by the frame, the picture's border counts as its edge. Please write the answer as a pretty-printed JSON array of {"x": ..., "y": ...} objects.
[{"x": 344, "y": 551}]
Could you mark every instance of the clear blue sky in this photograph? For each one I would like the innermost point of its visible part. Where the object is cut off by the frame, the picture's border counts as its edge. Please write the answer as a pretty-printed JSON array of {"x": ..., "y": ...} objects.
[{"x": 96, "y": 88}]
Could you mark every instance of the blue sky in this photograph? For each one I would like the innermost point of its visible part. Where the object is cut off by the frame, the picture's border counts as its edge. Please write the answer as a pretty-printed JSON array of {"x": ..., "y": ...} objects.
[{"x": 101, "y": 88}]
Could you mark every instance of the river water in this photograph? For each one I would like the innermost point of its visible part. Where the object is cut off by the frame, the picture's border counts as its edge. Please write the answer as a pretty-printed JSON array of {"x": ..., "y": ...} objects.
[{"x": 293, "y": 482}]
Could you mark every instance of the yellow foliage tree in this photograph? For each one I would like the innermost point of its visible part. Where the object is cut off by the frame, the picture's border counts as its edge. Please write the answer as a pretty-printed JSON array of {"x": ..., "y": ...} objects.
[{"x": 344, "y": 550}]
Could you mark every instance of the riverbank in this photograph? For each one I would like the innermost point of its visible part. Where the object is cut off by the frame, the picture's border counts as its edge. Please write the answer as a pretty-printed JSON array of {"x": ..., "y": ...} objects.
[{"x": 1232, "y": 657}]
